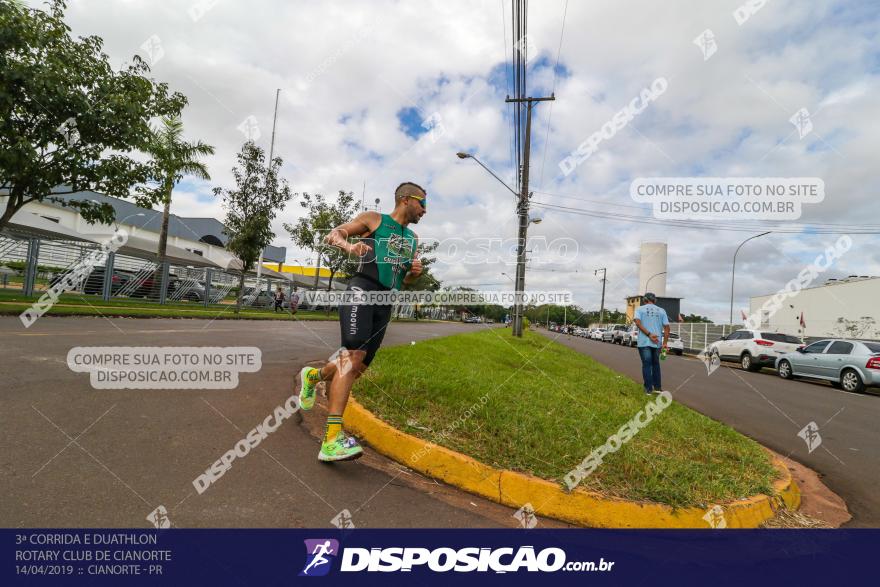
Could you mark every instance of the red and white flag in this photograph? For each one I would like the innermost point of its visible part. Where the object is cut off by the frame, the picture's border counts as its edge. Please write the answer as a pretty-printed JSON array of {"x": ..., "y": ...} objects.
[
  {"x": 743, "y": 314},
  {"x": 803, "y": 324}
]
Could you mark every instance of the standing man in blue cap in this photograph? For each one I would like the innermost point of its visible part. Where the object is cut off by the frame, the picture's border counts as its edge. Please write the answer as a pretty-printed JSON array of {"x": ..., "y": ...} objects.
[{"x": 653, "y": 325}]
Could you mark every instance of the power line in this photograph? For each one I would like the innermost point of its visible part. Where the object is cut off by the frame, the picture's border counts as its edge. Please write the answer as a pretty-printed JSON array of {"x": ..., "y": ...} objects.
[
  {"x": 602, "y": 202},
  {"x": 700, "y": 225},
  {"x": 646, "y": 207},
  {"x": 507, "y": 75},
  {"x": 550, "y": 113}
]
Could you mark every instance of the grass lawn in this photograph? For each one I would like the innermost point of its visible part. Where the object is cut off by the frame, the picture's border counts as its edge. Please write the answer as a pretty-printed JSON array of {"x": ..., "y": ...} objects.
[{"x": 545, "y": 417}]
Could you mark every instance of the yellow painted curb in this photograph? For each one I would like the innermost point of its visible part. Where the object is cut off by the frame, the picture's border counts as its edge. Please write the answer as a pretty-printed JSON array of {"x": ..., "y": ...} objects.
[{"x": 580, "y": 507}]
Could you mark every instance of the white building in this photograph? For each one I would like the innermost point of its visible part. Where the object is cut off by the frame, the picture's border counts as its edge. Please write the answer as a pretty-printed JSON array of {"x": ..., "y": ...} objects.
[
  {"x": 840, "y": 308},
  {"x": 197, "y": 242}
]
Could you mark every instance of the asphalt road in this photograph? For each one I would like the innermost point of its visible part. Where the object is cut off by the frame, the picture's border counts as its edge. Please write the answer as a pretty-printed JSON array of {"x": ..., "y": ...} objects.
[
  {"x": 74, "y": 456},
  {"x": 772, "y": 411}
]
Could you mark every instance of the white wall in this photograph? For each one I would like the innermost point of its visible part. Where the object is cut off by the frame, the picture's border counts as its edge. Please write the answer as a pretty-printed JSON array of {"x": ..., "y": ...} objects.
[{"x": 857, "y": 301}]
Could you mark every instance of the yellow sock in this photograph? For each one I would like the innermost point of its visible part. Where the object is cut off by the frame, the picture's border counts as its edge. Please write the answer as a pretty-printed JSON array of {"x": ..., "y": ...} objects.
[
  {"x": 313, "y": 376},
  {"x": 334, "y": 427}
]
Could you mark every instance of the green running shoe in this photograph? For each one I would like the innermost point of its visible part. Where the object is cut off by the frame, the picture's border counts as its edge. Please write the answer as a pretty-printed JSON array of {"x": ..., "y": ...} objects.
[
  {"x": 306, "y": 390},
  {"x": 342, "y": 448}
]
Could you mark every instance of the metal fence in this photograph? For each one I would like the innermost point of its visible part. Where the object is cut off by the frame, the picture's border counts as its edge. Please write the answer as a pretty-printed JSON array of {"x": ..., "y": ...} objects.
[
  {"x": 697, "y": 335},
  {"x": 30, "y": 266}
]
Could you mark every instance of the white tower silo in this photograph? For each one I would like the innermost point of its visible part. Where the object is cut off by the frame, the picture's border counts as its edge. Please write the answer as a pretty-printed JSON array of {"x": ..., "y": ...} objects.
[{"x": 652, "y": 269}]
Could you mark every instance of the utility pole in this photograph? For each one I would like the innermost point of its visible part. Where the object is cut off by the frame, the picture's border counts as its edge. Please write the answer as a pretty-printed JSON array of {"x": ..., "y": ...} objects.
[
  {"x": 274, "y": 120},
  {"x": 271, "y": 154},
  {"x": 522, "y": 210},
  {"x": 602, "y": 307}
]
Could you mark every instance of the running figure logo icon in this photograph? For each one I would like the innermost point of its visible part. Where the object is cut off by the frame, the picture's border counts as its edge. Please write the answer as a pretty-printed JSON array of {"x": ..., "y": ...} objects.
[
  {"x": 810, "y": 434},
  {"x": 320, "y": 553}
]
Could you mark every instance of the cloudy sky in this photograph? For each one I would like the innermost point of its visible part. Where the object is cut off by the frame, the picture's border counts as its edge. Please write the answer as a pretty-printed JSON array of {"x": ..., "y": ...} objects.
[{"x": 380, "y": 92}]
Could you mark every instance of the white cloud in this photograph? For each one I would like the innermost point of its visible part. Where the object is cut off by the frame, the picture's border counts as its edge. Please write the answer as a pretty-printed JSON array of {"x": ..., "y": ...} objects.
[{"x": 368, "y": 61}]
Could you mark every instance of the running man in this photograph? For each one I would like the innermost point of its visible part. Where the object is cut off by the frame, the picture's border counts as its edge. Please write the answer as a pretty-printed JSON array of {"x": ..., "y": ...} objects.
[{"x": 387, "y": 251}]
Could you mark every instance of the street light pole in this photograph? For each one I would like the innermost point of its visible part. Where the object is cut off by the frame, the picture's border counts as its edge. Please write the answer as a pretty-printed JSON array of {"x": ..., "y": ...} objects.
[
  {"x": 492, "y": 173},
  {"x": 733, "y": 270},
  {"x": 602, "y": 307},
  {"x": 522, "y": 209}
]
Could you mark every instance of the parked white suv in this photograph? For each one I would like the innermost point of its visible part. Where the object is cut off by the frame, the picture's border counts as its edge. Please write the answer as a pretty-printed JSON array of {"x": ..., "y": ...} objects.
[
  {"x": 754, "y": 349},
  {"x": 614, "y": 333}
]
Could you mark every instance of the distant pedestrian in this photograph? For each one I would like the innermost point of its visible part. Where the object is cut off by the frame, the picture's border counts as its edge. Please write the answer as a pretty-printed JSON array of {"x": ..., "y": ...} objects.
[
  {"x": 279, "y": 299},
  {"x": 653, "y": 325},
  {"x": 294, "y": 301}
]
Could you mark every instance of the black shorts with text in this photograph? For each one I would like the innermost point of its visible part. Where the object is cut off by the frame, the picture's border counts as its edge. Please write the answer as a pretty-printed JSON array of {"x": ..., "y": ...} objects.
[{"x": 363, "y": 326}]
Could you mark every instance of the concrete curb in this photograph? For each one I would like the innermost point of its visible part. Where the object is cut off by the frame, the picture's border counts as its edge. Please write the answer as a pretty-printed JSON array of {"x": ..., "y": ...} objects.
[{"x": 579, "y": 507}]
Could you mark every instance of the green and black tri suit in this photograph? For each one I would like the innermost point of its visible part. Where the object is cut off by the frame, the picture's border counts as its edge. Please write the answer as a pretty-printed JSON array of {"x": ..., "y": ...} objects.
[{"x": 382, "y": 269}]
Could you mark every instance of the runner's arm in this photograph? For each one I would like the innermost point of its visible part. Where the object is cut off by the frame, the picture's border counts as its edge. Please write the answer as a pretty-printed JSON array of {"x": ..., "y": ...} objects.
[
  {"x": 363, "y": 224},
  {"x": 416, "y": 268}
]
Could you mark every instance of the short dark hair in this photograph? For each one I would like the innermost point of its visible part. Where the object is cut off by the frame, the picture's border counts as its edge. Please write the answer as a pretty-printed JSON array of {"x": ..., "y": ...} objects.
[{"x": 407, "y": 189}]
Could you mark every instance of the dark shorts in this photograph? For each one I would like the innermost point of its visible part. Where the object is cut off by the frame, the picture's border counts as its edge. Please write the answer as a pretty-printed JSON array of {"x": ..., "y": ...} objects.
[{"x": 363, "y": 326}]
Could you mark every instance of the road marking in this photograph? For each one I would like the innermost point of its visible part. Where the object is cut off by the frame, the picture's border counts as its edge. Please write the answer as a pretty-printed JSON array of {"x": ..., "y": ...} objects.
[{"x": 82, "y": 332}]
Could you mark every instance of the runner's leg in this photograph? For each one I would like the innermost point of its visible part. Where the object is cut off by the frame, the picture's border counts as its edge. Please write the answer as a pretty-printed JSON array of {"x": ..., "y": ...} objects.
[{"x": 356, "y": 324}]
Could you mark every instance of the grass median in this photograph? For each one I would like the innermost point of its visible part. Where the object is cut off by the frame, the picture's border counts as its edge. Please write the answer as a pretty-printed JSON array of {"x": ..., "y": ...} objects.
[
  {"x": 535, "y": 406},
  {"x": 71, "y": 304},
  {"x": 12, "y": 302}
]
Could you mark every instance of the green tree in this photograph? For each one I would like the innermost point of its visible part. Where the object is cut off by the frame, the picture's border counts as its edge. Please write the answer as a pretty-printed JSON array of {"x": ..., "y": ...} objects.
[
  {"x": 68, "y": 121},
  {"x": 174, "y": 158},
  {"x": 251, "y": 207},
  {"x": 426, "y": 281},
  {"x": 321, "y": 217},
  {"x": 691, "y": 318}
]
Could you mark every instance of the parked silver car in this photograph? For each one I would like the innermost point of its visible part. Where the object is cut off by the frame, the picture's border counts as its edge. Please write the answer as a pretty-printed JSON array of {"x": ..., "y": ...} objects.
[{"x": 848, "y": 364}]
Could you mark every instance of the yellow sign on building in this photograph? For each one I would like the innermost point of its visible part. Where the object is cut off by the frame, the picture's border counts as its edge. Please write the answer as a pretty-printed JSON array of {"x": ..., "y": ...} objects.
[{"x": 300, "y": 270}]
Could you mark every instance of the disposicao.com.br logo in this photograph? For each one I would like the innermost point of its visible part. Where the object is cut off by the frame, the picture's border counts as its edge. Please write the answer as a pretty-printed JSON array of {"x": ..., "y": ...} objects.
[{"x": 322, "y": 552}]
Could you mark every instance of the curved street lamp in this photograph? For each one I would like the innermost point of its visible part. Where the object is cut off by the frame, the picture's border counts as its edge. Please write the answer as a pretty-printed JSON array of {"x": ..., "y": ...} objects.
[
  {"x": 524, "y": 222},
  {"x": 649, "y": 281},
  {"x": 733, "y": 269},
  {"x": 462, "y": 155}
]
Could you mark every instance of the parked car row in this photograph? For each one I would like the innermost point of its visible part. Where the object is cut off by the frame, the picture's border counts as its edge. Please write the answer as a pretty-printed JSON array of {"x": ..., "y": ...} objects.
[
  {"x": 146, "y": 286},
  {"x": 849, "y": 364},
  {"x": 616, "y": 333}
]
